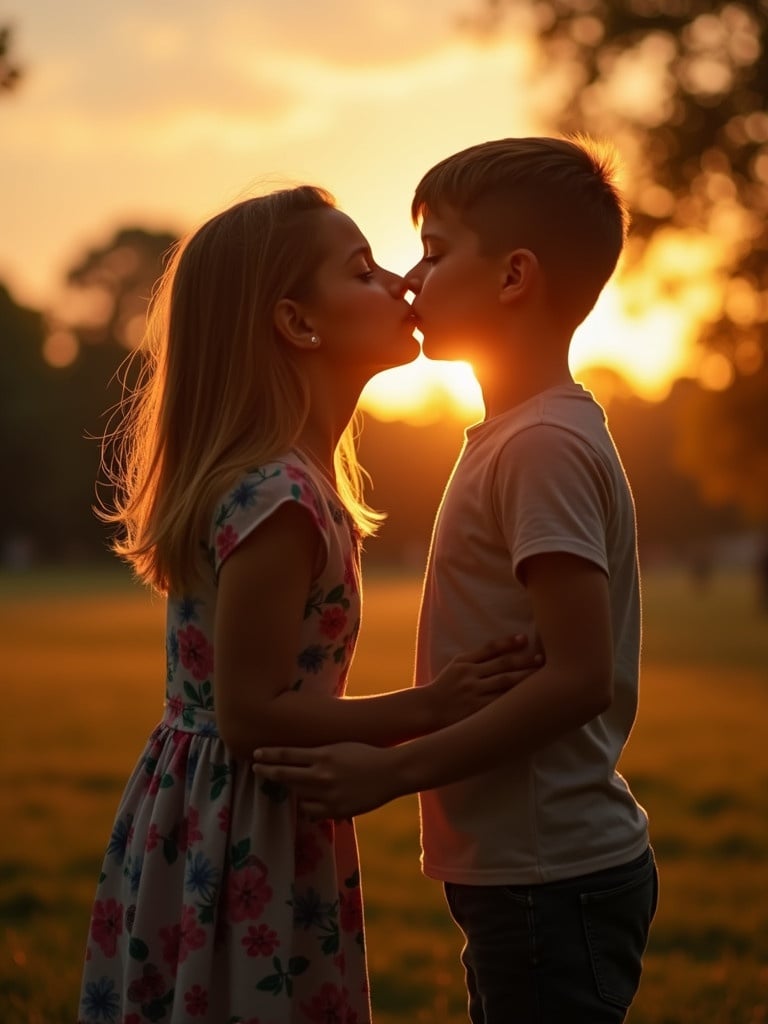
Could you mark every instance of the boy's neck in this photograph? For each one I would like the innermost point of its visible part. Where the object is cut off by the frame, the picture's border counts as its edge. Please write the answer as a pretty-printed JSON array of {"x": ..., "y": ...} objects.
[{"x": 505, "y": 387}]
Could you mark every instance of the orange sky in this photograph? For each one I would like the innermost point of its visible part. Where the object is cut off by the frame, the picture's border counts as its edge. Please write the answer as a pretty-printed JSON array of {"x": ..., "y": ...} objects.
[{"x": 160, "y": 114}]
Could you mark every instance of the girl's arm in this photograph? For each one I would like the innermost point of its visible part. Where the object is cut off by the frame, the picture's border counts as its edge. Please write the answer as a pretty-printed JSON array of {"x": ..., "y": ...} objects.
[
  {"x": 263, "y": 586},
  {"x": 572, "y": 611}
]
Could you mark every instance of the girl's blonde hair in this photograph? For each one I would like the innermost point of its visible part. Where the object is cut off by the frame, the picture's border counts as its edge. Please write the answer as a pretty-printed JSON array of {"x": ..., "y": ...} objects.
[{"x": 217, "y": 392}]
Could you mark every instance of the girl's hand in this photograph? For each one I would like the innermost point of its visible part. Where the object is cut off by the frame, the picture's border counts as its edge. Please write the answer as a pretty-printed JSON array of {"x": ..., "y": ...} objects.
[
  {"x": 472, "y": 680},
  {"x": 337, "y": 781}
]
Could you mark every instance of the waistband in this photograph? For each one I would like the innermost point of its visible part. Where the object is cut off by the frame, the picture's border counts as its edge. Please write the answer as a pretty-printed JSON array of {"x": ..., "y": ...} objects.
[{"x": 189, "y": 717}]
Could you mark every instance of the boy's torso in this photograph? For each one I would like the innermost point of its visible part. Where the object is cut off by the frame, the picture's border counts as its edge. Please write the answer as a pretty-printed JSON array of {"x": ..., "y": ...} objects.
[{"x": 542, "y": 477}]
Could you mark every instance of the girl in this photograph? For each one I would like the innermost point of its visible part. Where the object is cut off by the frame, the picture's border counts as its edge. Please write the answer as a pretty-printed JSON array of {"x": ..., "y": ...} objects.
[{"x": 239, "y": 497}]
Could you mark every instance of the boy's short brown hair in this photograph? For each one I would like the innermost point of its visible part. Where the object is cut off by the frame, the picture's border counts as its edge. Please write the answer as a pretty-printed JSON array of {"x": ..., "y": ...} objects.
[{"x": 556, "y": 197}]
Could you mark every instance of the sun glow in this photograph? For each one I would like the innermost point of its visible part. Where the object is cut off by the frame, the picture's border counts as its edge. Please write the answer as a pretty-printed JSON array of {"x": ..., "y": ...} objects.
[
  {"x": 643, "y": 327},
  {"x": 423, "y": 391}
]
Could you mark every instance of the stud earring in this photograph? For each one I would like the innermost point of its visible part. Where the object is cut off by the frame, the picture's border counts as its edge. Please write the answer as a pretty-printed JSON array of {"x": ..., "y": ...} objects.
[{"x": 314, "y": 341}]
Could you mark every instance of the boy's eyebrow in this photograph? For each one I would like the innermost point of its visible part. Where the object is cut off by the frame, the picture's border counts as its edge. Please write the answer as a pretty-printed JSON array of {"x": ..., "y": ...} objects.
[{"x": 430, "y": 236}]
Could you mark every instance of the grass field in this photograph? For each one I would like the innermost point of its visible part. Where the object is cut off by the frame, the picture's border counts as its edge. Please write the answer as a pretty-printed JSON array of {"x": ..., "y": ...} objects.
[{"x": 82, "y": 680}]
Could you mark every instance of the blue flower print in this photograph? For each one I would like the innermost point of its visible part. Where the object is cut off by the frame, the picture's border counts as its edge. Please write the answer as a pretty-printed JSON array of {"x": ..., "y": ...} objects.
[
  {"x": 101, "y": 1002},
  {"x": 119, "y": 839},
  {"x": 133, "y": 869},
  {"x": 188, "y": 610},
  {"x": 192, "y": 761},
  {"x": 202, "y": 878},
  {"x": 172, "y": 653},
  {"x": 309, "y": 910},
  {"x": 337, "y": 514},
  {"x": 311, "y": 658},
  {"x": 244, "y": 495}
]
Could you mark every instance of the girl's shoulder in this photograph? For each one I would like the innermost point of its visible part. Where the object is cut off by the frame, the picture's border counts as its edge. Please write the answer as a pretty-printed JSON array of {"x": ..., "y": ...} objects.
[{"x": 256, "y": 494}]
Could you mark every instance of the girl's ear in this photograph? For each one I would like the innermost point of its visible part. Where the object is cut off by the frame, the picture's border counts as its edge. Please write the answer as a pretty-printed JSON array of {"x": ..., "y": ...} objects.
[
  {"x": 520, "y": 273},
  {"x": 292, "y": 325}
]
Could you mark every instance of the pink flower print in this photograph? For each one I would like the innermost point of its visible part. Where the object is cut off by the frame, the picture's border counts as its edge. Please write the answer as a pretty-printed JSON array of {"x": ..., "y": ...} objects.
[
  {"x": 148, "y": 987},
  {"x": 196, "y": 1000},
  {"x": 350, "y": 574},
  {"x": 153, "y": 838},
  {"x": 107, "y": 925},
  {"x": 188, "y": 831},
  {"x": 328, "y": 1006},
  {"x": 351, "y": 910},
  {"x": 226, "y": 541},
  {"x": 175, "y": 706},
  {"x": 307, "y": 853},
  {"x": 248, "y": 894},
  {"x": 261, "y": 941},
  {"x": 332, "y": 622},
  {"x": 308, "y": 496},
  {"x": 195, "y": 651},
  {"x": 223, "y": 817},
  {"x": 180, "y": 940}
]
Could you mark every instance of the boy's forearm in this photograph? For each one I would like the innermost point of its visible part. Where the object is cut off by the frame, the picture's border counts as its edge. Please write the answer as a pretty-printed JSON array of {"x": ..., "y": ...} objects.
[{"x": 542, "y": 708}]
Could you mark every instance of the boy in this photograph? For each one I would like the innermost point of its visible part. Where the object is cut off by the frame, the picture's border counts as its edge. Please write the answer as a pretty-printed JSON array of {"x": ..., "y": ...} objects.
[{"x": 541, "y": 846}]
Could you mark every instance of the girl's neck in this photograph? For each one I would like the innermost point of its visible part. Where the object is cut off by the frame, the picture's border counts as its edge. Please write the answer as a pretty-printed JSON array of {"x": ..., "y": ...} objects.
[{"x": 331, "y": 407}]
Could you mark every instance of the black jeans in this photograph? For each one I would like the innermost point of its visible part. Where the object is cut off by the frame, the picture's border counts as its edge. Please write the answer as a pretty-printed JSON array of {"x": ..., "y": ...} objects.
[{"x": 567, "y": 952}]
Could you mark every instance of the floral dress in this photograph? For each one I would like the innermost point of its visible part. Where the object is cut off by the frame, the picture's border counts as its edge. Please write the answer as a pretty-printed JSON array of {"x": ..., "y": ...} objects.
[{"x": 219, "y": 903}]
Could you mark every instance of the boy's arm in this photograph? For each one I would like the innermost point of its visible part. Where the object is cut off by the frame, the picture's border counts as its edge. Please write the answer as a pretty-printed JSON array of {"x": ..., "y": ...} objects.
[{"x": 570, "y": 603}]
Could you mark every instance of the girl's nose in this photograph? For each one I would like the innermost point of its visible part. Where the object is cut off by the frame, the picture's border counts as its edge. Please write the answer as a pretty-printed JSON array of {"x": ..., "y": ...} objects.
[
  {"x": 413, "y": 281},
  {"x": 396, "y": 284}
]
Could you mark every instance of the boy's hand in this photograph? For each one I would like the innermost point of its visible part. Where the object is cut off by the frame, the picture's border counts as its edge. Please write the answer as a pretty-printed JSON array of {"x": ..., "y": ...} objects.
[
  {"x": 472, "y": 680},
  {"x": 337, "y": 781}
]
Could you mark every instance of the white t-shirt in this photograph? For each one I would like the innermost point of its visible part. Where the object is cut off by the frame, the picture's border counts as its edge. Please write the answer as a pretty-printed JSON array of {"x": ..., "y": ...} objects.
[{"x": 542, "y": 477}]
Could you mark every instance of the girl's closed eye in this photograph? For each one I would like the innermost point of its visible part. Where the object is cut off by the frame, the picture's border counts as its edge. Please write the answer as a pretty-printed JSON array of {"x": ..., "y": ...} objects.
[{"x": 430, "y": 258}]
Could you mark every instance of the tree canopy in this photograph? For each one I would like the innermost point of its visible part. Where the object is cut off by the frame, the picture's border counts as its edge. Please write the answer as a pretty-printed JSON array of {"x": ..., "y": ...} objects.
[{"x": 681, "y": 87}]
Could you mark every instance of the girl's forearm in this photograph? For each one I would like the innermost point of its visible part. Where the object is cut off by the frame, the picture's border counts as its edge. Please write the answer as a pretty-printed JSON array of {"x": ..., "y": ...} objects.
[{"x": 304, "y": 720}]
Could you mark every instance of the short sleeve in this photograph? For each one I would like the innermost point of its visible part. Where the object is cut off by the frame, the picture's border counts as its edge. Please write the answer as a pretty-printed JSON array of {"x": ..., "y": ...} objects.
[
  {"x": 552, "y": 494},
  {"x": 257, "y": 496}
]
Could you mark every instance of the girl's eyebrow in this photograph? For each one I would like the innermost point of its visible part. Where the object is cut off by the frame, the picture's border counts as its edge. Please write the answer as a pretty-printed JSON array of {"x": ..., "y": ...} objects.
[
  {"x": 360, "y": 250},
  {"x": 431, "y": 237}
]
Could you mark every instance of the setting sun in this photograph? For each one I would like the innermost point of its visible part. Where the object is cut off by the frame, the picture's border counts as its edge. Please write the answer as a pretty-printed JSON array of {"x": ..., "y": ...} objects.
[{"x": 643, "y": 327}]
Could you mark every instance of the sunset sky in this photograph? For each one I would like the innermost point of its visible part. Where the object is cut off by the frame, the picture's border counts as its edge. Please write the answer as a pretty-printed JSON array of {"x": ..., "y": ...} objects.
[{"x": 160, "y": 112}]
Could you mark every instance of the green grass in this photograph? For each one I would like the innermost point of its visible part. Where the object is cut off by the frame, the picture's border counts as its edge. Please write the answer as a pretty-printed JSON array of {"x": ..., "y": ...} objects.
[{"x": 82, "y": 674}]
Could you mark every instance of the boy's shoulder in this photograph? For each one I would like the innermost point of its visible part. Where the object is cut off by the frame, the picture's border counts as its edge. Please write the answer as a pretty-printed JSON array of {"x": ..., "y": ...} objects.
[{"x": 568, "y": 407}]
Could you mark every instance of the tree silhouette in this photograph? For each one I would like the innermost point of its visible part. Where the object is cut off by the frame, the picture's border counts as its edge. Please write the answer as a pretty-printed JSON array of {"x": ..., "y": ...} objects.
[
  {"x": 681, "y": 86},
  {"x": 115, "y": 282},
  {"x": 10, "y": 72}
]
